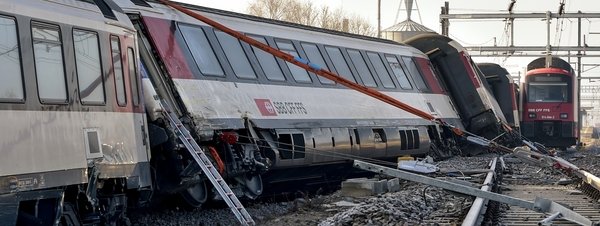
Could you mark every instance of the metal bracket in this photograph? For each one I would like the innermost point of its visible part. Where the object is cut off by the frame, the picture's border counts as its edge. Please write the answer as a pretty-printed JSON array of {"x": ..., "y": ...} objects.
[
  {"x": 92, "y": 186},
  {"x": 548, "y": 220}
]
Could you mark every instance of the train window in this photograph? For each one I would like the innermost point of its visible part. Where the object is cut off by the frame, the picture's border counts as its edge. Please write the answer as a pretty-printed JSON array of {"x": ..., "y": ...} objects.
[
  {"x": 417, "y": 141},
  {"x": 135, "y": 91},
  {"x": 379, "y": 136},
  {"x": 299, "y": 145},
  {"x": 50, "y": 72},
  {"x": 356, "y": 134},
  {"x": 546, "y": 79},
  {"x": 414, "y": 71},
  {"x": 383, "y": 74},
  {"x": 267, "y": 62},
  {"x": 89, "y": 72},
  {"x": 361, "y": 66},
  {"x": 202, "y": 52},
  {"x": 11, "y": 82},
  {"x": 291, "y": 146},
  {"x": 141, "y": 3},
  {"x": 118, "y": 70},
  {"x": 340, "y": 64},
  {"x": 237, "y": 58},
  {"x": 299, "y": 74},
  {"x": 315, "y": 56},
  {"x": 427, "y": 70},
  {"x": 547, "y": 92},
  {"x": 106, "y": 10},
  {"x": 285, "y": 146},
  {"x": 398, "y": 72}
]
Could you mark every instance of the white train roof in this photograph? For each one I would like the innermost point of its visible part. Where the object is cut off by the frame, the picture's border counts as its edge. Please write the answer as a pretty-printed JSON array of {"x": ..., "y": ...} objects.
[
  {"x": 78, "y": 13},
  {"x": 280, "y": 29}
]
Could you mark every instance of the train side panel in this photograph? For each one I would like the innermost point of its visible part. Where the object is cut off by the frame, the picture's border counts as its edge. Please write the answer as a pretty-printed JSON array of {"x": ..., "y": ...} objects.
[
  {"x": 476, "y": 105},
  {"x": 503, "y": 88},
  {"x": 70, "y": 104},
  {"x": 300, "y": 119}
]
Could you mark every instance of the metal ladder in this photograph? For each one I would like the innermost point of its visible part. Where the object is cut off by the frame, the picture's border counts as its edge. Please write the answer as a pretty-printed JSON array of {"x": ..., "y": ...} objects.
[{"x": 207, "y": 167}]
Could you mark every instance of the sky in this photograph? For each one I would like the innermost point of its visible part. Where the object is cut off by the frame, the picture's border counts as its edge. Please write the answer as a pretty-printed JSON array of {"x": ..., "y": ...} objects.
[{"x": 473, "y": 32}]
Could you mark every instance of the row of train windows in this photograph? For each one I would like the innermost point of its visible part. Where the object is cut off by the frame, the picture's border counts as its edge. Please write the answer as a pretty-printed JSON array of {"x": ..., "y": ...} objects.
[
  {"x": 50, "y": 70},
  {"x": 207, "y": 61}
]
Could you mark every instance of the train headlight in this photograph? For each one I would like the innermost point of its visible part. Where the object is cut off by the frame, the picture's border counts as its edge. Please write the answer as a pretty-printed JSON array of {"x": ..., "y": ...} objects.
[
  {"x": 532, "y": 115},
  {"x": 564, "y": 115}
]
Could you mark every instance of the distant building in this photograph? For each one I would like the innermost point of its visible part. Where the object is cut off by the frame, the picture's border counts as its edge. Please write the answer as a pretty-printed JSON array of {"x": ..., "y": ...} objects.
[{"x": 405, "y": 29}]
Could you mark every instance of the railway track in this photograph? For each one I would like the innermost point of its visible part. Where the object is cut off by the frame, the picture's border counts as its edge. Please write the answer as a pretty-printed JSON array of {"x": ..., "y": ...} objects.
[
  {"x": 566, "y": 195},
  {"x": 478, "y": 206},
  {"x": 419, "y": 203},
  {"x": 545, "y": 204},
  {"x": 580, "y": 198}
]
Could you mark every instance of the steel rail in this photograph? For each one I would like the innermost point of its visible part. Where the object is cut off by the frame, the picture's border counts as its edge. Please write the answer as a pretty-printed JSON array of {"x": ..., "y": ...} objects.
[
  {"x": 477, "y": 210},
  {"x": 585, "y": 176},
  {"x": 539, "y": 205}
]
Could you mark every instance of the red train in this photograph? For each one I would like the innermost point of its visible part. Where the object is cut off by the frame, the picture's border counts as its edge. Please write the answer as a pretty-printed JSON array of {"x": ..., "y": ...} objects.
[{"x": 549, "y": 95}]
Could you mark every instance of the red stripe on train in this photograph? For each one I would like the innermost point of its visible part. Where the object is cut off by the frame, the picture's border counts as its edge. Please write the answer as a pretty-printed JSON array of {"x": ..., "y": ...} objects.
[
  {"x": 162, "y": 36},
  {"x": 550, "y": 70},
  {"x": 430, "y": 78},
  {"x": 513, "y": 96},
  {"x": 469, "y": 68}
]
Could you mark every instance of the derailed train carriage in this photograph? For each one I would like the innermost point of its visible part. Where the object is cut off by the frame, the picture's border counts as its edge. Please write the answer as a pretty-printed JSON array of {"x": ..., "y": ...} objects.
[
  {"x": 94, "y": 141},
  {"x": 304, "y": 122},
  {"x": 505, "y": 90},
  {"x": 466, "y": 84}
]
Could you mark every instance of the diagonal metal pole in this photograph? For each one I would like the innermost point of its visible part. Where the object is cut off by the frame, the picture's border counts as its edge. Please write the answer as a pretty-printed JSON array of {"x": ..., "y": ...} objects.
[{"x": 539, "y": 205}]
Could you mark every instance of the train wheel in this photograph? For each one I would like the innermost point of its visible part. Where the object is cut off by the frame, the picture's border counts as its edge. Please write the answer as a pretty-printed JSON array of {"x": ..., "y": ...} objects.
[
  {"x": 253, "y": 186},
  {"x": 195, "y": 195}
]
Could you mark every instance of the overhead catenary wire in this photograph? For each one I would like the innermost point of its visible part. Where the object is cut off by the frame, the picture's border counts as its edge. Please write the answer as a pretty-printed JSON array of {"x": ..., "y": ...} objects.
[{"x": 558, "y": 31}]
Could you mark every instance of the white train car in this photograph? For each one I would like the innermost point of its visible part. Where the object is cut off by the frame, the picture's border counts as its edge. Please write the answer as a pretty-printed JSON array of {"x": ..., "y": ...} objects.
[
  {"x": 73, "y": 122},
  {"x": 222, "y": 85}
]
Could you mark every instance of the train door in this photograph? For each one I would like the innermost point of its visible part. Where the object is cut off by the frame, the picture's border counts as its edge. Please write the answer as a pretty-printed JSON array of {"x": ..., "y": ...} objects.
[
  {"x": 134, "y": 146},
  {"x": 133, "y": 81}
]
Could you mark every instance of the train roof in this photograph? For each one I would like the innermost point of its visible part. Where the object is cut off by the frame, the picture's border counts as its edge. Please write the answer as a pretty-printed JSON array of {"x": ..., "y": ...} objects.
[
  {"x": 494, "y": 72},
  {"x": 278, "y": 22},
  {"x": 270, "y": 27},
  {"x": 81, "y": 13},
  {"x": 556, "y": 63}
]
